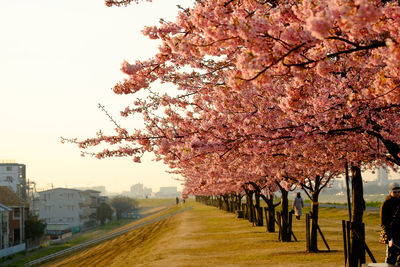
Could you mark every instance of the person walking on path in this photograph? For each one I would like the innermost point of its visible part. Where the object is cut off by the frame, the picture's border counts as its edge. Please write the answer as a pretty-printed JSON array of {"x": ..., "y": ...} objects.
[
  {"x": 390, "y": 222},
  {"x": 177, "y": 200},
  {"x": 298, "y": 205}
]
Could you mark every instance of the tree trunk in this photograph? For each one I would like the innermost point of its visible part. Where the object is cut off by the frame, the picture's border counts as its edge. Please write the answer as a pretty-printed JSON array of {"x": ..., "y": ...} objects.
[
  {"x": 238, "y": 202},
  {"x": 259, "y": 218},
  {"x": 357, "y": 246},
  {"x": 226, "y": 200},
  {"x": 249, "y": 203},
  {"x": 232, "y": 201},
  {"x": 251, "y": 206},
  {"x": 314, "y": 230},
  {"x": 271, "y": 214},
  {"x": 285, "y": 234}
]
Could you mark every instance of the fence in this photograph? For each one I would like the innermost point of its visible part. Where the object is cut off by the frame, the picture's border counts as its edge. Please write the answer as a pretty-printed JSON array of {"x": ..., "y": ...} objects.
[{"x": 12, "y": 250}]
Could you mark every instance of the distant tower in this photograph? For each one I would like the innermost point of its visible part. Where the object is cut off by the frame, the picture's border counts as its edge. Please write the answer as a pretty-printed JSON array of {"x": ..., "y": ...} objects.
[
  {"x": 382, "y": 176},
  {"x": 137, "y": 190}
]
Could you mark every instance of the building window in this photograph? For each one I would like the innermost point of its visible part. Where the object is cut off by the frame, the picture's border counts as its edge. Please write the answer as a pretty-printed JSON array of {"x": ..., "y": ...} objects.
[
  {"x": 70, "y": 196},
  {"x": 70, "y": 208},
  {"x": 16, "y": 213},
  {"x": 9, "y": 179},
  {"x": 47, "y": 208},
  {"x": 46, "y": 197},
  {"x": 9, "y": 168}
]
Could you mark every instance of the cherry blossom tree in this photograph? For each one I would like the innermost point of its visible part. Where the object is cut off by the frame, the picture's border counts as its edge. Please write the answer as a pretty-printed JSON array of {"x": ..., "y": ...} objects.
[{"x": 268, "y": 77}]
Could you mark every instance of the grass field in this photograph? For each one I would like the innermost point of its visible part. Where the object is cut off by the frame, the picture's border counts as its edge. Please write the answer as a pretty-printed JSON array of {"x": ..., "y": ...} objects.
[
  {"x": 79, "y": 238},
  {"x": 207, "y": 236},
  {"x": 147, "y": 206},
  {"x": 154, "y": 202}
]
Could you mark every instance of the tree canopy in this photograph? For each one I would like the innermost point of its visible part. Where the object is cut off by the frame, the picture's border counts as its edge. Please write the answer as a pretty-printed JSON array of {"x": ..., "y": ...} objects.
[
  {"x": 122, "y": 204},
  {"x": 104, "y": 212},
  {"x": 269, "y": 92},
  {"x": 34, "y": 228}
]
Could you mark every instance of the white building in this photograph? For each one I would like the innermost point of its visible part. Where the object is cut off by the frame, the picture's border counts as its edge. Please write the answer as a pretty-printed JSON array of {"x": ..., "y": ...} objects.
[
  {"x": 137, "y": 190},
  {"x": 147, "y": 192},
  {"x": 60, "y": 206},
  {"x": 168, "y": 191},
  {"x": 382, "y": 176},
  {"x": 68, "y": 208},
  {"x": 13, "y": 175}
]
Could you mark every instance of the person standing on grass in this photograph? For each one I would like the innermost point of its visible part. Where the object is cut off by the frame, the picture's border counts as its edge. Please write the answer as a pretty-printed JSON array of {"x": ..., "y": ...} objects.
[
  {"x": 390, "y": 222},
  {"x": 298, "y": 206}
]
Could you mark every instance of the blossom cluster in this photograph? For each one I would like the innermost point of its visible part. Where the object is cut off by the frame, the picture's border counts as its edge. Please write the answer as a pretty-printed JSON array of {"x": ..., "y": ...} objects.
[{"x": 274, "y": 95}]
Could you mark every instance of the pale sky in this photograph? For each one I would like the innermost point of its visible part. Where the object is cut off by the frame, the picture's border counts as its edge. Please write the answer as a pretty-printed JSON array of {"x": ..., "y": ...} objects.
[{"x": 58, "y": 60}]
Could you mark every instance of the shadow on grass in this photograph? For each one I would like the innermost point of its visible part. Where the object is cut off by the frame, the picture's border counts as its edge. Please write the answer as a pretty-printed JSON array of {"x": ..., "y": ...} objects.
[{"x": 299, "y": 252}]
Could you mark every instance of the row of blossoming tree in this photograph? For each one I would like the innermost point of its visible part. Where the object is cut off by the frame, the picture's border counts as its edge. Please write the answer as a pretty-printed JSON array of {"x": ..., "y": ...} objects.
[{"x": 271, "y": 94}]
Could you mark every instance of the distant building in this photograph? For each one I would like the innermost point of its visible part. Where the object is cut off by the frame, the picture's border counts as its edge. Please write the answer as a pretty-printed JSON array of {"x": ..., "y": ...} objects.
[
  {"x": 13, "y": 175},
  {"x": 100, "y": 188},
  {"x": 65, "y": 209},
  {"x": 61, "y": 206},
  {"x": 381, "y": 184},
  {"x": 382, "y": 176},
  {"x": 337, "y": 186},
  {"x": 168, "y": 191},
  {"x": 147, "y": 192},
  {"x": 137, "y": 190}
]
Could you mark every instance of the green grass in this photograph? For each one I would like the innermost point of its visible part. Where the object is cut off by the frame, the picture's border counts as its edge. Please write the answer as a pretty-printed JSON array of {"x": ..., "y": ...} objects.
[
  {"x": 376, "y": 204},
  {"x": 373, "y": 204},
  {"x": 40, "y": 254}
]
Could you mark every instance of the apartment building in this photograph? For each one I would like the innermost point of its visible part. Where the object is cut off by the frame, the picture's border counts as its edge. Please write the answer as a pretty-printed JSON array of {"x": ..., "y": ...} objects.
[
  {"x": 13, "y": 175},
  {"x": 65, "y": 209}
]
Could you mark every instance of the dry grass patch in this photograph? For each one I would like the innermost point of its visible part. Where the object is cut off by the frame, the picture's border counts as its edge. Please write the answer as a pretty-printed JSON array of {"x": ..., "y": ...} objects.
[{"x": 207, "y": 236}]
